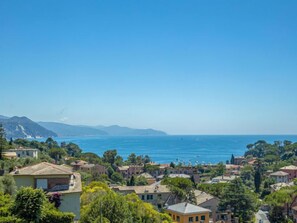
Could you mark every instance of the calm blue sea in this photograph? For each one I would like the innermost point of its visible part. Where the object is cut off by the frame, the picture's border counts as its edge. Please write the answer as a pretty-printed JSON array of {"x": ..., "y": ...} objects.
[{"x": 164, "y": 149}]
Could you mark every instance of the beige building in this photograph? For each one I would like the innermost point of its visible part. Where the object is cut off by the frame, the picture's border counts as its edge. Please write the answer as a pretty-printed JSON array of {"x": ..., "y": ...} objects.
[
  {"x": 129, "y": 171},
  {"x": 280, "y": 177},
  {"x": 208, "y": 201},
  {"x": 77, "y": 164},
  {"x": 157, "y": 195},
  {"x": 149, "y": 178},
  {"x": 21, "y": 152},
  {"x": 188, "y": 213},
  {"x": 53, "y": 179},
  {"x": 94, "y": 169}
]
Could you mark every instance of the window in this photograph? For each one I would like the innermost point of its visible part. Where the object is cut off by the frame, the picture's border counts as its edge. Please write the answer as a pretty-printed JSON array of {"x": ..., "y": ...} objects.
[
  {"x": 149, "y": 197},
  {"x": 202, "y": 217},
  {"x": 191, "y": 219},
  {"x": 41, "y": 183},
  {"x": 177, "y": 218},
  {"x": 197, "y": 218},
  {"x": 142, "y": 197}
]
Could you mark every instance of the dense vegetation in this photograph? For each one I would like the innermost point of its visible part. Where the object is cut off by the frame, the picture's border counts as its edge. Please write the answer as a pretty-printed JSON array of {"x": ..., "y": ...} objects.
[{"x": 100, "y": 203}]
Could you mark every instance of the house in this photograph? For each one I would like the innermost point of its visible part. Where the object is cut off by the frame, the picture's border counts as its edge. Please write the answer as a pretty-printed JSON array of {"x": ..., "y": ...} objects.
[
  {"x": 208, "y": 201},
  {"x": 280, "y": 177},
  {"x": 222, "y": 179},
  {"x": 291, "y": 170},
  {"x": 239, "y": 160},
  {"x": 22, "y": 152},
  {"x": 175, "y": 176},
  {"x": 53, "y": 179},
  {"x": 233, "y": 169},
  {"x": 157, "y": 195},
  {"x": 129, "y": 171},
  {"x": 278, "y": 186},
  {"x": 94, "y": 169},
  {"x": 186, "y": 213},
  {"x": 77, "y": 164},
  {"x": 9, "y": 155},
  {"x": 149, "y": 178}
]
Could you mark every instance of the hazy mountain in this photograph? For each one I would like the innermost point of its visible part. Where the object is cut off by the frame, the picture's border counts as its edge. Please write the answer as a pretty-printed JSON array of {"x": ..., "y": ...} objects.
[
  {"x": 116, "y": 130},
  {"x": 22, "y": 127},
  {"x": 64, "y": 130},
  {"x": 3, "y": 117}
]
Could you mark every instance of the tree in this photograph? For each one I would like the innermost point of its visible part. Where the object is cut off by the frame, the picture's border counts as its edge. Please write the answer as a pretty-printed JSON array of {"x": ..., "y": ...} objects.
[
  {"x": 241, "y": 201},
  {"x": 3, "y": 142},
  {"x": 232, "y": 159},
  {"x": 9, "y": 186},
  {"x": 132, "y": 158},
  {"x": 117, "y": 177},
  {"x": 72, "y": 149},
  {"x": 56, "y": 153},
  {"x": 257, "y": 180},
  {"x": 183, "y": 188},
  {"x": 28, "y": 204},
  {"x": 51, "y": 143},
  {"x": 219, "y": 170},
  {"x": 132, "y": 181},
  {"x": 172, "y": 165},
  {"x": 109, "y": 156},
  {"x": 140, "y": 181}
]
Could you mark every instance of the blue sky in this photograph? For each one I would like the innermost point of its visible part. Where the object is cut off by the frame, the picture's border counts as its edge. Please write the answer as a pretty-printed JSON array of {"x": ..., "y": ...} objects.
[{"x": 185, "y": 67}]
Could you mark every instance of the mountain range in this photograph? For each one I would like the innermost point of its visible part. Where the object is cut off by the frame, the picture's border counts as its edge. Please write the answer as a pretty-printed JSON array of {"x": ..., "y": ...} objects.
[{"x": 23, "y": 127}]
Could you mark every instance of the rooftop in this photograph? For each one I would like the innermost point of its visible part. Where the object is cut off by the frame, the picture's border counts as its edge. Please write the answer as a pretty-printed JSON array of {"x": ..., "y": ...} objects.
[
  {"x": 123, "y": 167},
  {"x": 146, "y": 175},
  {"x": 143, "y": 189},
  {"x": 291, "y": 167},
  {"x": 201, "y": 196},
  {"x": 42, "y": 169},
  {"x": 21, "y": 148},
  {"x": 279, "y": 173},
  {"x": 187, "y": 208}
]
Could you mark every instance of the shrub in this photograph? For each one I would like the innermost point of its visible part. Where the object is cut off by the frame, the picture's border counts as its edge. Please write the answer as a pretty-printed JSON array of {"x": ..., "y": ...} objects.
[{"x": 52, "y": 215}]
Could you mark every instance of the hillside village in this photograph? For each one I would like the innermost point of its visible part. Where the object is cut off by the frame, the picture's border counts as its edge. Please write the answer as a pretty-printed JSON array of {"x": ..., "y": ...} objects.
[{"x": 82, "y": 187}]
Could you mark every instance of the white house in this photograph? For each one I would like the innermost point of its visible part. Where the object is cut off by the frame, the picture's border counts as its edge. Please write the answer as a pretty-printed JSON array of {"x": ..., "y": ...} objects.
[
  {"x": 22, "y": 152},
  {"x": 280, "y": 177}
]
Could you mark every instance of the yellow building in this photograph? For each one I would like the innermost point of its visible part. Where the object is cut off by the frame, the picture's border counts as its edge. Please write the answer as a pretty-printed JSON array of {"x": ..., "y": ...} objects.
[{"x": 188, "y": 213}]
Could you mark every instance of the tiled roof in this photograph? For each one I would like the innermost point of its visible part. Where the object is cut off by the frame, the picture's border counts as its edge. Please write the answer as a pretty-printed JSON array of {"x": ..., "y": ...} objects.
[
  {"x": 42, "y": 169},
  {"x": 291, "y": 167},
  {"x": 279, "y": 173},
  {"x": 123, "y": 167},
  {"x": 201, "y": 197},
  {"x": 144, "y": 189},
  {"x": 187, "y": 208},
  {"x": 146, "y": 175}
]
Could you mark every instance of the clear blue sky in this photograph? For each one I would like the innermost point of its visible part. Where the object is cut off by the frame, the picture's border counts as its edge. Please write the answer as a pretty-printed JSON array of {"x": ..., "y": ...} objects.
[{"x": 186, "y": 67}]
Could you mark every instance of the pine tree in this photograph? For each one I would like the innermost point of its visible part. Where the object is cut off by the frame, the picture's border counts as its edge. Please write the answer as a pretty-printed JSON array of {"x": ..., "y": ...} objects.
[
  {"x": 232, "y": 159},
  {"x": 132, "y": 181},
  {"x": 257, "y": 180},
  {"x": 2, "y": 140}
]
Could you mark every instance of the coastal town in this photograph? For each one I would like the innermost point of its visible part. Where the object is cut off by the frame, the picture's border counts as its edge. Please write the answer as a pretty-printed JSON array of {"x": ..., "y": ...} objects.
[{"x": 256, "y": 187}]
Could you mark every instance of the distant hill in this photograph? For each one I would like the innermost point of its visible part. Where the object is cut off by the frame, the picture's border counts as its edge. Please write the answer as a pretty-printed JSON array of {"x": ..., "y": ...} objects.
[
  {"x": 3, "y": 117},
  {"x": 64, "y": 130},
  {"x": 22, "y": 127},
  {"x": 116, "y": 130}
]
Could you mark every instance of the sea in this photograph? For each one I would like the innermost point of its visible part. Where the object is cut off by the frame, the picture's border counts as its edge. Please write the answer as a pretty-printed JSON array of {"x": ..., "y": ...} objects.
[{"x": 186, "y": 149}]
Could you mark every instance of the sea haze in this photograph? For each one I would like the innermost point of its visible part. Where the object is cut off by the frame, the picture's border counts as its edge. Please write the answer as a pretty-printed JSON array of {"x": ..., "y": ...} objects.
[{"x": 165, "y": 149}]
